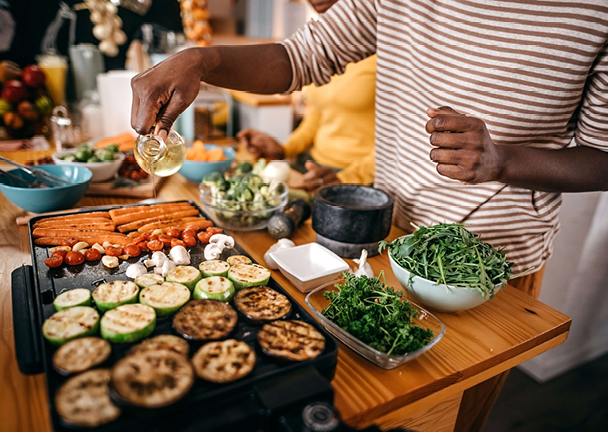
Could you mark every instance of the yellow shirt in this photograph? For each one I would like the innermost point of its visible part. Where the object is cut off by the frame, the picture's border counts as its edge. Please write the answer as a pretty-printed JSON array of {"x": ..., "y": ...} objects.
[{"x": 339, "y": 123}]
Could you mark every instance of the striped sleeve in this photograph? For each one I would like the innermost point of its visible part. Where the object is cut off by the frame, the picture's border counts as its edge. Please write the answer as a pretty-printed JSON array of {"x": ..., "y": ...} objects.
[{"x": 345, "y": 33}]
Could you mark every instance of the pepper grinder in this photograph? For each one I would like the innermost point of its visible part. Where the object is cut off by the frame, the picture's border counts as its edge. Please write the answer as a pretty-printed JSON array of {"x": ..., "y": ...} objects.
[{"x": 284, "y": 224}]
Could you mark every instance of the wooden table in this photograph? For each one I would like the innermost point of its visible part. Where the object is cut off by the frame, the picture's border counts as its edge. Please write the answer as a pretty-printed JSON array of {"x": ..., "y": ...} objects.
[{"x": 423, "y": 395}]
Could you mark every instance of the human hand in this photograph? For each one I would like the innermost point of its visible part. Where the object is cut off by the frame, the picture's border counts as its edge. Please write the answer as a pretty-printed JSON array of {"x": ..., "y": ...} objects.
[
  {"x": 164, "y": 91},
  {"x": 260, "y": 144},
  {"x": 317, "y": 176},
  {"x": 463, "y": 148}
]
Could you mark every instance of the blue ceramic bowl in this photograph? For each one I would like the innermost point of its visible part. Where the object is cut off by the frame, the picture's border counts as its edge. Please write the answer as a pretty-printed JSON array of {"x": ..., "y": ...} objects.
[
  {"x": 196, "y": 170},
  {"x": 41, "y": 200}
]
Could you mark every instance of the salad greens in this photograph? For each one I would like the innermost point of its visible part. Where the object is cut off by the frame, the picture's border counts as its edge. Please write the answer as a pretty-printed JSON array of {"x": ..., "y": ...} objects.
[
  {"x": 375, "y": 314},
  {"x": 449, "y": 254}
]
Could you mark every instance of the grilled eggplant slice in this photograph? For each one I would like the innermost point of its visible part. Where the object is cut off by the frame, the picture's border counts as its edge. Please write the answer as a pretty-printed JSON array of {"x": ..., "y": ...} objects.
[
  {"x": 225, "y": 361},
  {"x": 238, "y": 259},
  {"x": 152, "y": 379},
  {"x": 81, "y": 354},
  {"x": 71, "y": 323},
  {"x": 84, "y": 400},
  {"x": 215, "y": 288},
  {"x": 71, "y": 298},
  {"x": 128, "y": 323},
  {"x": 262, "y": 304},
  {"x": 214, "y": 268},
  {"x": 110, "y": 295},
  {"x": 166, "y": 298},
  {"x": 205, "y": 320},
  {"x": 291, "y": 340},
  {"x": 248, "y": 275},
  {"x": 148, "y": 279},
  {"x": 185, "y": 275},
  {"x": 162, "y": 342}
]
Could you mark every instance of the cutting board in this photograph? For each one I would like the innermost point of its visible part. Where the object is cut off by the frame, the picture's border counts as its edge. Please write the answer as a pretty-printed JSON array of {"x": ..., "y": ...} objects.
[{"x": 122, "y": 188}]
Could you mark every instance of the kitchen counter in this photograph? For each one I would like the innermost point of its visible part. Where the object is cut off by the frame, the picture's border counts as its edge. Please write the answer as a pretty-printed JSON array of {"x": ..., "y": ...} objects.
[{"x": 423, "y": 394}]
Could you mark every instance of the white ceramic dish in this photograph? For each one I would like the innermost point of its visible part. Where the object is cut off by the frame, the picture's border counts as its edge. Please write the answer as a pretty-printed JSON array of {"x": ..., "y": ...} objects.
[
  {"x": 102, "y": 171},
  {"x": 309, "y": 265}
]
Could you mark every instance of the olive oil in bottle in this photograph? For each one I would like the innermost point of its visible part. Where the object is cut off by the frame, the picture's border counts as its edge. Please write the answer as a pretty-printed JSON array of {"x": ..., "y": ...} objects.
[{"x": 160, "y": 157}]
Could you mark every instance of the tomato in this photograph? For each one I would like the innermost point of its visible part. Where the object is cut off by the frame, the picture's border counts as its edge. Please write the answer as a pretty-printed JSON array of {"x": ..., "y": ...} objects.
[
  {"x": 92, "y": 255},
  {"x": 69, "y": 241},
  {"x": 153, "y": 237},
  {"x": 143, "y": 246},
  {"x": 174, "y": 232},
  {"x": 177, "y": 242},
  {"x": 114, "y": 251},
  {"x": 214, "y": 230},
  {"x": 189, "y": 241},
  {"x": 62, "y": 253},
  {"x": 54, "y": 261},
  {"x": 166, "y": 239},
  {"x": 204, "y": 236},
  {"x": 142, "y": 237},
  {"x": 75, "y": 258},
  {"x": 188, "y": 232},
  {"x": 132, "y": 250},
  {"x": 155, "y": 245}
]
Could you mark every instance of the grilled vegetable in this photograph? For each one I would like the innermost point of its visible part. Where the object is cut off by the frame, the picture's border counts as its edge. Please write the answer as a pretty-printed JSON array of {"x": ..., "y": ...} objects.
[
  {"x": 248, "y": 275},
  {"x": 205, "y": 320},
  {"x": 148, "y": 279},
  {"x": 215, "y": 288},
  {"x": 238, "y": 259},
  {"x": 165, "y": 298},
  {"x": 128, "y": 323},
  {"x": 81, "y": 354},
  {"x": 262, "y": 304},
  {"x": 110, "y": 295},
  {"x": 162, "y": 342},
  {"x": 291, "y": 340},
  {"x": 185, "y": 275},
  {"x": 71, "y": 298},
  {"x": 84, "y": 400},
  {"x": 71, "y": 323},
  {"x": 214, "y": 268},
  {"x": 152, "y": 379},
  {"x": 222, "y": 362}
]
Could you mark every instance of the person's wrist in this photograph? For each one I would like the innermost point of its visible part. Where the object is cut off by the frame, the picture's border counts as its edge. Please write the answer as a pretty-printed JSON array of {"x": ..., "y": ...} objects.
[{"x": 504, "y": 158}]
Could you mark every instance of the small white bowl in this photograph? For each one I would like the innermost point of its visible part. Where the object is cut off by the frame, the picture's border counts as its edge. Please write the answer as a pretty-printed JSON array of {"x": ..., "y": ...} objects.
[
  {"x": 309, "y": 265},
  {"x": 102, "y": 171}
]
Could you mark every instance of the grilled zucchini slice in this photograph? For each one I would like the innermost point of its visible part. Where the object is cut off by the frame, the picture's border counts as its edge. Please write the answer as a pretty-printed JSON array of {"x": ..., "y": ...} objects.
[
  {"x": 71, "y": 323},
  {"x": 165, "y": 298},
  {"x": 185, "y": 275},
  {"x": 110, "y": 295},
  {"x": 262, "y": 304},
  {"x": 214, "y": 268},
  {"x": 71, "y": 298},
  {"x": 248, "y": 275},
  {"x": 225, "y": 361},
  {"x": 205, "y": 320},
  {"x": 84, "y": 400},
  {"x": 215, "y": 288},
  {"x": 238, "y": 259},
  {"x": 148, "y": 279},
  {"x": 152, "y": 379},
  {"x": 81, "y": 354},
  {"x": 291, "y": 340},
  {"x": 162, "y": 342},
  {"x": 128, "y": 323}
]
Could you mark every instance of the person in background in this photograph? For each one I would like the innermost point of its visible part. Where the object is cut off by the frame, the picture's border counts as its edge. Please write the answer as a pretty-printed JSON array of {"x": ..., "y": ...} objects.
[
  {"x": 334, "y": 143},
  {"x": 483, "y": 115}
]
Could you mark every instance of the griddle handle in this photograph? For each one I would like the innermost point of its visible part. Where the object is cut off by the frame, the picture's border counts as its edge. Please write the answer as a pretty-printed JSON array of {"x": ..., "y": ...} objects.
[{"x": 27, "y": 334}]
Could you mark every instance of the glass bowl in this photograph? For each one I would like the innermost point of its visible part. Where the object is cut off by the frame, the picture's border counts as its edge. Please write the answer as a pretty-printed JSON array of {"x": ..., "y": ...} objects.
[
  {"x": 242, "y": 216},
  {"x": 316, "y": 302}
]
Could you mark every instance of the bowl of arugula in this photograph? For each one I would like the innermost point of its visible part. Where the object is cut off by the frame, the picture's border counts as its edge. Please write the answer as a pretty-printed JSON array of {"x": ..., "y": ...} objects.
[
  {"x": 447, "y": 268},
  {"x": 374, "y": 319}
]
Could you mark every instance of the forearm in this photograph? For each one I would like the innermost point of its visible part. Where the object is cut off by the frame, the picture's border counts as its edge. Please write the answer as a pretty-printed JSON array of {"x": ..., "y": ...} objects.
[{"x": 577, "y": 169}]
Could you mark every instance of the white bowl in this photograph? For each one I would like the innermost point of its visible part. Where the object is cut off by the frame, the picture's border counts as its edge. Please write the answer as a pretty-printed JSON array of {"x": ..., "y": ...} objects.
[
  {"x": 102, "y": 171},
  {"x": 309, "y": 265},
  {"x": 438, "y": 297}
]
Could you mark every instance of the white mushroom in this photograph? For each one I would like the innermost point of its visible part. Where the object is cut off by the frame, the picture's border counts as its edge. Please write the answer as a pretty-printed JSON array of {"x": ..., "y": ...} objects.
[
  {"x": 149, "y": 263},
  {"x": 212, "y": 251},
  {"x": 109, "y": 261},
  {"x": 168, "y": 265},
  {"x": 222, "y": 241},
  {"x": 179, "y": 255},
  {"x": 159, "y": 258},
  {"x": 135, "y": 270}
]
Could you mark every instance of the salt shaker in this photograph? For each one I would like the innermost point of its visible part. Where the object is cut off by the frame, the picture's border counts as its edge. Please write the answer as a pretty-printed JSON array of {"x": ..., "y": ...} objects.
[{"x": 62, "y": 129}]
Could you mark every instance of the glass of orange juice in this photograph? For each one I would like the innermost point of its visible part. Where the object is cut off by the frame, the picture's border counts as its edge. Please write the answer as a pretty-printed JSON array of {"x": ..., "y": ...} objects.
[{"x": 55, "y": 67}]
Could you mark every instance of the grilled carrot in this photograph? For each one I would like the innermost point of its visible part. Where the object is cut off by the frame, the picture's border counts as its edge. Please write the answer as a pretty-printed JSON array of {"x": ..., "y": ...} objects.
[
  {"x": 139, "y": 223},
  {"x": 144, "y": 214},
  {"x": 50, "y": 232},
  {"x": 168, "y": 223},
  {"x": 104, "y": 215},
  {"x": 134, "y": 209},
  {"x": 57, "y": 241},
  {"x": 55, "y": 224},
  {"x": 80, "y": 225}
]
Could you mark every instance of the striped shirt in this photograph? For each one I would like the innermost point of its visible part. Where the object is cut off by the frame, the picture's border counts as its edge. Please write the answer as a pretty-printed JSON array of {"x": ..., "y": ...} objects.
[{"x": 535, "y": 71}]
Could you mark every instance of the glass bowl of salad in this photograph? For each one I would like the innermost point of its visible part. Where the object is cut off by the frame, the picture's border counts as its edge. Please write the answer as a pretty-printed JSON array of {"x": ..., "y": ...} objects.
[{"x": 242, "y": 202}]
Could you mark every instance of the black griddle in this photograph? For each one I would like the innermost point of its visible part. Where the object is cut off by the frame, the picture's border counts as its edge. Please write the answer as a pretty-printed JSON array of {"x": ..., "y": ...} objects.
[{"x": 247, "y": 404}]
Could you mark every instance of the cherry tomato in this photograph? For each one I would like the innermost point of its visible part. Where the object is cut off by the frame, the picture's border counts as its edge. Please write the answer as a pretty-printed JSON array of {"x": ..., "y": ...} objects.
[
  {"x": 153, "y": 237},
  {"x": 69, "y": 241},
  {"x": 190, "y": 241},
  {"x": 177, "y": 242},
  {"x": 155, "y": 245},
  {"x": 143, "y": 246},
  {"x": 214, "y": 230},
  {"x": 204, "y": 236},
  {"x": 62, "y": 253},
  {"x": 132, "y": 250},
  {"x": 166, "y": 239},
  {"x": 75, "y": 258},
  {"x": 174, "y": 232},
  {"x": 142, "y": 237},
  {"x": 188, "y": 232},
  {"x": 92, "y": 255},
  {"x": 54, "y": 261},
  {"x": 114, "y": 251}
]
